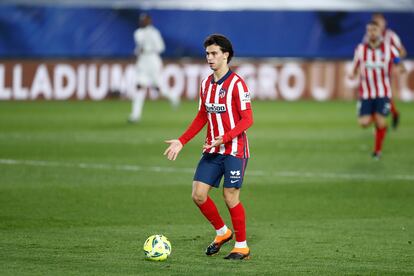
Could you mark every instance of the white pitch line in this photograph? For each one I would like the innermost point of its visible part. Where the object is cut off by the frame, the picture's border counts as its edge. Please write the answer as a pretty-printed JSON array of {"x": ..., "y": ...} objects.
[{"x": 292, "y": 174}]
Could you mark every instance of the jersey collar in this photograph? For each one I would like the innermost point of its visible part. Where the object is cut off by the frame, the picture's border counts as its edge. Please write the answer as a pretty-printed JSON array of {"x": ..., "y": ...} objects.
[{"x": 220, "y": 81}]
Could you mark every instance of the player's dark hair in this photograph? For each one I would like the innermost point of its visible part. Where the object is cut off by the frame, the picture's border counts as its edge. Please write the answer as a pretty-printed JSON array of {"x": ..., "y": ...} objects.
[
  {"x": 372, "y": 22},
  {"x": 221, "y": 41},
  {"x": 378, "y": 14}
]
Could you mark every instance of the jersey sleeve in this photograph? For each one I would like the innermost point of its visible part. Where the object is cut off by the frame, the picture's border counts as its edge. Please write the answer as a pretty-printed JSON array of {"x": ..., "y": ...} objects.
[
  {"x": 245, "y": 122},
  {"x": 244, "y": 108},
  {"x": 395, "y": 40},
  {"x": 241, "y": 95},
  {"x": 138, "y": 41},
  {"x": 357, "y": 57},
  {"x": 159, "y": 45},
  {"x": 395, "y": 54}
]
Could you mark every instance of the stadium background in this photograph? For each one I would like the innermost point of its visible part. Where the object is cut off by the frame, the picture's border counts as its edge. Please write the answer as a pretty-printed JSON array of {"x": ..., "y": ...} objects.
[
  {"x": 87, "y": 49},
  {"x": 81, "y": 189}
]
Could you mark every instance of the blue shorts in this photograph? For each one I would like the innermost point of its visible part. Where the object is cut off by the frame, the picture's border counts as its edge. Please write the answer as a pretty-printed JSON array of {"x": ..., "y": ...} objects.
[
  {"x": 370, "y": 106},
  {"x": 213, "y": 166}
]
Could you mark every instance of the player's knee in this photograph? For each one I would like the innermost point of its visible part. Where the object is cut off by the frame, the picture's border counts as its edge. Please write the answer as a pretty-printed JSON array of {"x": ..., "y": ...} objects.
[
  {"x": 380, "y": 122},
  {"x": 198, "y": 198},
  {"x": 364, "y": 123},
  {"x": 231, "y": 199}
]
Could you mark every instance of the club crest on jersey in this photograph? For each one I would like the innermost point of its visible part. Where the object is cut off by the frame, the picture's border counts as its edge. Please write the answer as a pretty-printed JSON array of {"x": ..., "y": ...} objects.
[
  {"x": 222, "y": 93},
  {"x": 215, "y": 108}
]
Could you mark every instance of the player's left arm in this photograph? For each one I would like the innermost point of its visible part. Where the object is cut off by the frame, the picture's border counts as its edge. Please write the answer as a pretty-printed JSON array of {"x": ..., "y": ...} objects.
[
  {"x": 396, "y": 42},
  {"x": 395, "y": 54},
  {"x": 159, "y": 42},
  {"x": 241, "y": 95}
]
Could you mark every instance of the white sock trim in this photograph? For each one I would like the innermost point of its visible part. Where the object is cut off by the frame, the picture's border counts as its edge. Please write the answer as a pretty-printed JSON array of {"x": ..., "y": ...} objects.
[
  {"x": 221, "y": 231},
  {"x": 242, "y": 244}
]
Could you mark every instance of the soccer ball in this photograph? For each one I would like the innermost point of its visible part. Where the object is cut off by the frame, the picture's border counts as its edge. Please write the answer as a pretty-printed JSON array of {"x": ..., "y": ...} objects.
[{"x": 157, "y": 248}]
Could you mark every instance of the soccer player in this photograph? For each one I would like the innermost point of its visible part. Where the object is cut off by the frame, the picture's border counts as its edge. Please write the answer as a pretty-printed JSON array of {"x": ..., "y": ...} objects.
[
  {"x": 149, "y": 46},
  {"x": 391, "y": 38},
  {"x": 373, "y": 61},
  {"x": 225, "y": 107}
]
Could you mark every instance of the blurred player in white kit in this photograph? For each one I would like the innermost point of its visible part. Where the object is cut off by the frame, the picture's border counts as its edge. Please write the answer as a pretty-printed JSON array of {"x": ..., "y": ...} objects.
[{"x": 149, "y": 46}]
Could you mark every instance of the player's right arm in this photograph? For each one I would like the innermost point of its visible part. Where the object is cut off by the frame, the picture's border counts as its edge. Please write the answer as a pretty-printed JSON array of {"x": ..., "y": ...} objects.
[
  {"x": 356, "y": 62},
  {"x": 176, "y": 145}
]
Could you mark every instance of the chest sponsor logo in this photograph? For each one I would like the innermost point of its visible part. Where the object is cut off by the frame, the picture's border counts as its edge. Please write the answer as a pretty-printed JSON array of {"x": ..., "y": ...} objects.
[
  {"x": 375, "y": 64},
  {"x": 215, "y": 108}
]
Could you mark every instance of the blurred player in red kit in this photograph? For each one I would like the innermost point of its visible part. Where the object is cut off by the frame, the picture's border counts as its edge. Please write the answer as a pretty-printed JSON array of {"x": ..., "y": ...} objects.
[
  {"x": 373, "y": 62},
  {"x": 392, "y": 39},
  {"x": 225, "y": 107}
]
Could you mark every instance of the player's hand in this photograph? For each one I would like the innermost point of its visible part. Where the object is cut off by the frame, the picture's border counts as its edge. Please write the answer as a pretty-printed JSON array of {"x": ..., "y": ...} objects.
[
  {"x": 173, "y": 149},
  {"x": 351, "y": 76},
  {"x": 217, "y": 142}
]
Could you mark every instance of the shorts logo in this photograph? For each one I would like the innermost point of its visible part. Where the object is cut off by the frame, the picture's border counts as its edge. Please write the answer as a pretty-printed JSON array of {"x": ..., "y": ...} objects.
[
  {"x": 222, "y": 93},
  {"x": 386, "y": 109},
  {"x": 234, "y": 181},
  {"x": 215, "y": 108},
  {"x": 234, "y": 175},
  {"x": 235, "y": 172}
]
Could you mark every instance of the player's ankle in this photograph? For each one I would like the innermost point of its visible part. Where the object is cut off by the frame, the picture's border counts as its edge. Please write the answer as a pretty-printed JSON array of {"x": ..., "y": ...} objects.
[
  {"x": 222, "y": 231},
  {"x": 242, "y": 244}
]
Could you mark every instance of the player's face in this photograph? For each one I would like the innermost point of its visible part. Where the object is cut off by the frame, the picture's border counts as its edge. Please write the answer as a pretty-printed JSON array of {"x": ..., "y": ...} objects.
[
  {"x": 373, "y": 33},
  {"x": 215, "y": 57},
  {"x": 144, "y": 21},
  {"x": 380, "y": 21}
]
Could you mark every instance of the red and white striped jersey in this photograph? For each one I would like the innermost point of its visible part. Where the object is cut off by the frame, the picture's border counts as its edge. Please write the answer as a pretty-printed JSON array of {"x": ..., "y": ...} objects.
[
  {"x": 375, "y": 66},
  {"x": 392, "y": 39},
  {"x": 223, "y": 101},
  {"x": 226, "y": 109}
]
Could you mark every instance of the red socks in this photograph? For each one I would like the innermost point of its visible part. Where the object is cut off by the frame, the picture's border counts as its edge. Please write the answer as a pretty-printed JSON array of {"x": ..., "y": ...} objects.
[
  {"x": 238, "y": 219},
  {"x": 379, "y": 138},
  {"x": 210, "y": 211}
]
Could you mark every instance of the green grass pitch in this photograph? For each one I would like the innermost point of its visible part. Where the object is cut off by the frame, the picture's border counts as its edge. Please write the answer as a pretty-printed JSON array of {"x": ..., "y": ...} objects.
[{"x": 81, "y": 190}]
